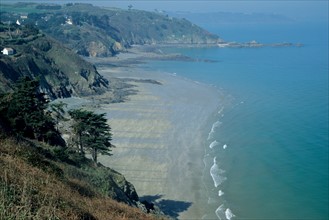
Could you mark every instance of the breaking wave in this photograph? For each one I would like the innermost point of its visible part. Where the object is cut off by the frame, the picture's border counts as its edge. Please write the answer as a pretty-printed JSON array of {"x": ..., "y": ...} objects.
[
  {"x": 216, "y": 174},
  {"x": 224, "y": 213},
  {"x": 213, "y": 144},
  {"x": 213, "y": 129}
]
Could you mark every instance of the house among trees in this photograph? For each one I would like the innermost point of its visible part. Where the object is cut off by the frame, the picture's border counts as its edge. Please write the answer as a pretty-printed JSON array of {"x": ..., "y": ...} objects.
[
  {"x": 69, "y": 21},
  {"x": 8, "y": 51},
  {"x": 24, "y": 16}
]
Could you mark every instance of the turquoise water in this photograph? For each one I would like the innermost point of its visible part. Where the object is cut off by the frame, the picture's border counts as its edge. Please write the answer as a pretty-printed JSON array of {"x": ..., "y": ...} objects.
[{"x": 267, "y": 156}]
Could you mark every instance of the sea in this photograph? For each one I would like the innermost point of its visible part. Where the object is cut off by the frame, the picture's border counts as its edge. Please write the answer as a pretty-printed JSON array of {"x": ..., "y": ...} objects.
[{"x": 266, "y": 149}]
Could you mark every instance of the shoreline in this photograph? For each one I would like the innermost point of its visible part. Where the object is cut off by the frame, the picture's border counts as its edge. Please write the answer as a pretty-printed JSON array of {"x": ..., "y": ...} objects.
[
  {"x": 140, "y": 54},
  {"x": 160, "y": 129},
  {"x": 160, "y": 150},
  {"x": 137, "y": 54},
  {"x": 160, "y": 134}
]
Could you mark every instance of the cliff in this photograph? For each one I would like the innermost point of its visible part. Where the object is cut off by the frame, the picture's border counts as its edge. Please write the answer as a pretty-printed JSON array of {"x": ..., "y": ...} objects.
[{"x": 62, "y": 73}]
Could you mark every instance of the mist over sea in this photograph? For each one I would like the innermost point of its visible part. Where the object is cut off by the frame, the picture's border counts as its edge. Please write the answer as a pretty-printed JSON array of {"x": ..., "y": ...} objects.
[{"x": 266, "y": 152}]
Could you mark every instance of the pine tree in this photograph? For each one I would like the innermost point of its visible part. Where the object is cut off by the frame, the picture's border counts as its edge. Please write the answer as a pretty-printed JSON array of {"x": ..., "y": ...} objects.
[
  {"x": 92, "y": 132},
  {"x": 25, "y": 112},
  {"x": 99, "y": 136},
  {"x": 79, "y": 117},
  {"x": 58, "y": 112}
]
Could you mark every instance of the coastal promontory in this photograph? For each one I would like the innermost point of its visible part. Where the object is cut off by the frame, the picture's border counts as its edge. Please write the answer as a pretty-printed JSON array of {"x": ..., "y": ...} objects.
[{"x": 103, "y": 31}]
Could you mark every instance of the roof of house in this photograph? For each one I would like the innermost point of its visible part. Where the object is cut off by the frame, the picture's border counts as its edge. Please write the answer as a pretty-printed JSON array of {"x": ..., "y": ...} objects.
[{"x": 8, "y": 49}]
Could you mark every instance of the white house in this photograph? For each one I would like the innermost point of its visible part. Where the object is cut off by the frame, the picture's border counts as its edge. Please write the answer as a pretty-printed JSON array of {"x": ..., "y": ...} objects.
[
  {"x": 69, "y": 21},
  {"x": 8, "y": 51}
]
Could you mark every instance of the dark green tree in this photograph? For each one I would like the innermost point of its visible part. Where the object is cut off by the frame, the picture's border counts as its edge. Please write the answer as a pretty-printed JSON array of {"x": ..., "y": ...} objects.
[
  {"x": 92, "y": 132},
  {"x": 58, "y": 112},
  {"x": 99, "y": 136},
  {"x": 79, "y": 125},
  {"x": 25, "y": 112},
  {"x": 27, "y": 109}
]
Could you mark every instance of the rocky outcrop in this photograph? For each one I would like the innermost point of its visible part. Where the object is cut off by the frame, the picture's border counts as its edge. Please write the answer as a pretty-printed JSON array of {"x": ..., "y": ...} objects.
[
  {"x": 120, "y": 189},
  {"x": 112, "y": 184}
]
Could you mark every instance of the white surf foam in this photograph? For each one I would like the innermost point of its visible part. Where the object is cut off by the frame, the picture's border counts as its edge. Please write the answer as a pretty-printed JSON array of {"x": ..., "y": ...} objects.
[
  {"x": 224, "y": 213},
  {"x": 228, "y": 214},
  {"x": 216, "y": 172},
  {"x": 220, "y": 212},
  {"x": 220, "y": 193},
  {"x": 220, "y": 111},
  {"x": 213, "y": 128},
  {"x": 213, "y": 144}
]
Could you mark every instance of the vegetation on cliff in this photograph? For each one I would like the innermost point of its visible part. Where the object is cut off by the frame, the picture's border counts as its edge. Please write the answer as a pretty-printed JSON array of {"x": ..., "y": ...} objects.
[
  {"x": 42, "y": 178},
  {"x": 61, "y": 72},
  {"x": 91, "y": 132},
  {"x": 24, "y": 113},
  {"x": 36, "y": 184}
]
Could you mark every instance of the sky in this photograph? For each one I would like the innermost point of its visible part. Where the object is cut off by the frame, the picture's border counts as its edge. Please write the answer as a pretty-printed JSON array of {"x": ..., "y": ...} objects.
[
  {"x": 299, "y": 9},
  {"x": 296, "y": 9}
]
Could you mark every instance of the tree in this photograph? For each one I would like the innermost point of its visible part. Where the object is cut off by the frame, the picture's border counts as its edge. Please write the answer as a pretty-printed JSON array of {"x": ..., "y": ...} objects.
[
  {"x": 79, "y": 117},
  {"x": 25, "y": 112},
  {"x": 99, "y": 136},
  {"x": 92, "y": 132},
  {"x": 57, "y": 112},
  {"x": 27, "y": 109}
]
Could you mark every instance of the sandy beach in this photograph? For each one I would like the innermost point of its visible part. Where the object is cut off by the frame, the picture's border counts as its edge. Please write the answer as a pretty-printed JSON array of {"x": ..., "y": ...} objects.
[{"x": 159, "y": 138}]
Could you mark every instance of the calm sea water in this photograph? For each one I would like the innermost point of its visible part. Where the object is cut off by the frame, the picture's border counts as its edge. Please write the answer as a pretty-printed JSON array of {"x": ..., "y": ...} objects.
[{"x": 267, "y": 151}]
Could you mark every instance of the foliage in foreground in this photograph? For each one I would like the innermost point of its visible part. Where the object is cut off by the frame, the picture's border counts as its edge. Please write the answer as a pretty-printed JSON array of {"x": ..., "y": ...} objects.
[
  {"x": 27, "y": 113},
  {"x": 35, "y": 187}
]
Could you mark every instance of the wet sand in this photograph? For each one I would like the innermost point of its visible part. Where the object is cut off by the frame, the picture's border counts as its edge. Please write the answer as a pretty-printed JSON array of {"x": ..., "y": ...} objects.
[{"x": 159, "y": 134}]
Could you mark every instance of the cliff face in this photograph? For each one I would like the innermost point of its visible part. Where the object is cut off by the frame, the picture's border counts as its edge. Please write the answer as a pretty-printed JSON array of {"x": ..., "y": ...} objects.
[
  {"x": 98, "y": 32},
  {"x": 142, "y": 27},
  {"x": 62, "y": 73}
]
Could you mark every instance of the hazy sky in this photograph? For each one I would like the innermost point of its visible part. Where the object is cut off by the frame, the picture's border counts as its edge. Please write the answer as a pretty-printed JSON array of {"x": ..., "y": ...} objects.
[
  {"x": 305, "y": 9},
  {"x": 298, "y": 9}
]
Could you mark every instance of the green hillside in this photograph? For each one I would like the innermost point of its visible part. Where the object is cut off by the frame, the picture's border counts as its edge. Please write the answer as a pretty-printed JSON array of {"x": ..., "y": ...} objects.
[
  {"x": 98, "y": 32},
  {"x": 62, "y": 73}
]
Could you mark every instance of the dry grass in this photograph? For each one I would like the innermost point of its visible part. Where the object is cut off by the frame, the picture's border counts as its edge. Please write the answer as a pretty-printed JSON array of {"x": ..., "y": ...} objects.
[{"x": 28, "y": 192}]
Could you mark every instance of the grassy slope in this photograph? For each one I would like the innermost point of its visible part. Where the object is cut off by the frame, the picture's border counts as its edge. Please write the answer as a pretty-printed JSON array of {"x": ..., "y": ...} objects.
[{"x": 35, "y": 187}]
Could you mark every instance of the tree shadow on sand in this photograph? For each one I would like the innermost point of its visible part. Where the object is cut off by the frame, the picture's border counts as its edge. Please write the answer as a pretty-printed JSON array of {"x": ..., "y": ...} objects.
[{"x": 171, "y": 208}]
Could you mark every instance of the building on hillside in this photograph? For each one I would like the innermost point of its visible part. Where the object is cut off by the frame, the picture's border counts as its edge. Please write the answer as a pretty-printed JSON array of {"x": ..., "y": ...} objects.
[
  {"x": 24, "y": 16},
  {"x": 69, "y": 21},
  {"x": 8, "y": 51}
]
